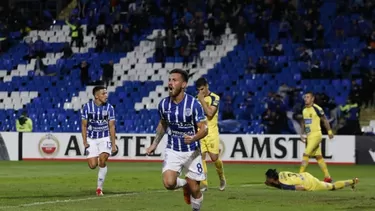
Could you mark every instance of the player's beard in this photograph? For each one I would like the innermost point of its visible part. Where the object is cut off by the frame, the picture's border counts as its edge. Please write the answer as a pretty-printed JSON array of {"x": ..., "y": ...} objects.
[{"x": 175, "y": 92}]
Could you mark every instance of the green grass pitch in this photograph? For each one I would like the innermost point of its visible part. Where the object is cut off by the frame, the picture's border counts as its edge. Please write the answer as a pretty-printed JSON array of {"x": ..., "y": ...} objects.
[{"x": 137, "y": 186}]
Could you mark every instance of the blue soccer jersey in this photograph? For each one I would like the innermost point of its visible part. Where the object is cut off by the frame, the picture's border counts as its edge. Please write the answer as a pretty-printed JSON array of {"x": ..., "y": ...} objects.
[
  {"x": 181, "y": 118},
  {"x": 98, "y": 118}
]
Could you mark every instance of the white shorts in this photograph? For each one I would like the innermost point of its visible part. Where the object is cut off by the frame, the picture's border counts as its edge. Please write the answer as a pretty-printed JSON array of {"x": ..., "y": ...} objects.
[
  {"x": 191, "y": 162},
  {"x": 98, "y": 146}
]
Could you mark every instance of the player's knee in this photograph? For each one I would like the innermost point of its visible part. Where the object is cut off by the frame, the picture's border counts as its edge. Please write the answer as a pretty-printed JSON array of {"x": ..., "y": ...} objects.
[
  {"x": 214, "y": 157},
  {"x": 93, "y": 165},
  {"x": 169, "y": 184},
  {"x": 318, "y": 157},
  {"x": 102, "y": 163}
]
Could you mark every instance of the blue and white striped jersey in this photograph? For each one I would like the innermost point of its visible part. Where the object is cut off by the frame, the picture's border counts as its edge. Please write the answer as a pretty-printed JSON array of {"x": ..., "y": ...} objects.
[
  {"x": 98, "y": 118},
  {"x": 181, "y": 119}
]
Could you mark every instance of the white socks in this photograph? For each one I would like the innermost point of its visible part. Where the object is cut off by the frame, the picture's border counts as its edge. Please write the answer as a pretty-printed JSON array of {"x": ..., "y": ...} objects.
[
  {"x": 101, "y": 176},
  {"x": 196, "y": 203},
  {"x": 180, "y": 183}
]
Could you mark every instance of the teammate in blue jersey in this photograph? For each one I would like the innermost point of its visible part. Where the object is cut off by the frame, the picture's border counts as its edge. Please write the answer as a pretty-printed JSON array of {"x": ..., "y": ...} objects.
[
  {"x": 98, "y": 133},
  {"x": 183, "y": 119}
]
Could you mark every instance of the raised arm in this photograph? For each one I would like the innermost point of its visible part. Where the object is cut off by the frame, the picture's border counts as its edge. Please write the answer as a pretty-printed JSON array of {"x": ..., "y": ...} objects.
[{"x": 209, "y": 109}]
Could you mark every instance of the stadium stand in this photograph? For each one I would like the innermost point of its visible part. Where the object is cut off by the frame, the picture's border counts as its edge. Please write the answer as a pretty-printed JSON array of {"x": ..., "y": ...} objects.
[{"x": 259, "y": 60}]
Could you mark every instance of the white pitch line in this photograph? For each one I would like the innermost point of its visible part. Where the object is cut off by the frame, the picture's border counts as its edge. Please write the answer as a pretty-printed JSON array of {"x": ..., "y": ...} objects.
[{"x": 98, "y": 197}]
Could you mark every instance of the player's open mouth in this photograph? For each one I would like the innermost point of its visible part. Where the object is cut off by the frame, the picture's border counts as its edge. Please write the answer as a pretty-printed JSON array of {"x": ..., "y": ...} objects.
[{"x": 170, "y": 89}]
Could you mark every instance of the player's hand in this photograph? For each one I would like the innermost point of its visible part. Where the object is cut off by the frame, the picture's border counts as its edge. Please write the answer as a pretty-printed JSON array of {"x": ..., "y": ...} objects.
[
  {"x": 150, "y": 149},
  {"x": 201, "y": 96},
  {"x": 303, "y": 138},
  {"x": 86, "y": 144},
  {"x": 114, "y": 148},
  {"x": 267, "y": 183},
  {"x": 188, "y": 139},
  {"x": 330, "y": 136}
]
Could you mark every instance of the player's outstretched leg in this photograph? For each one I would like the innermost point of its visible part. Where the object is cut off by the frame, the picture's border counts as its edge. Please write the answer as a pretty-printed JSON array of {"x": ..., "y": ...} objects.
[
  {"x": 323, "y": 167},
  {"x": 345, "y": 183},
  {"x": 103, "y": 157}
]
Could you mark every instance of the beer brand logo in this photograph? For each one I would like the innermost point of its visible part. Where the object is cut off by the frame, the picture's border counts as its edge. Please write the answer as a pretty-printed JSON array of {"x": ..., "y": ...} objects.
[{"x": 49, "y": 146}]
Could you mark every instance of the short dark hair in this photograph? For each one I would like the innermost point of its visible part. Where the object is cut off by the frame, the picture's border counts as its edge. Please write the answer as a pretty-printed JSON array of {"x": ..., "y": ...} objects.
[
  {"x": 96, "y": 89},
  {"x": 183, "y": 73},
  {"x": 272, "y": 173},
  {"x": 311, "y": 93},
  {"x": 201, "y": 82}
]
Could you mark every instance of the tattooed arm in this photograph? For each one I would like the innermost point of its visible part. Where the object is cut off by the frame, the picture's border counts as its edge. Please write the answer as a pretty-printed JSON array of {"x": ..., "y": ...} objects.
[{"x": 160, "y": 131}]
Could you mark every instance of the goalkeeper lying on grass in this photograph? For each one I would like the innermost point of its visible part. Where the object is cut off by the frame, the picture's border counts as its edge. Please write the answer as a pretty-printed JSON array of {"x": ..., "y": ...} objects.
[{"x": 303, "y": 182}]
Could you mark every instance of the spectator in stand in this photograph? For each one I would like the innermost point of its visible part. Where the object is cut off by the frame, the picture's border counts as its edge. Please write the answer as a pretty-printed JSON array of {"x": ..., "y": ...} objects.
[
  {"x": 128, "y": 39},
  {"x": 67, "y": 51},
  {"x": 24, "y": 123},
  {"x": 107, "y": 73},
  {"x": 75, "y": 34},
  {"x": 92, "y": 23},
  {"x": 84, "y": 72},
  {"x": 170, "y": 42},
  {"x": 40, "y": 48},
  {"x": 82, "y": 7},
  {"x": 271, "y": 120},
  {"x": 39, "y": 67},
  {"x": 346, "y": 65},
  {"x": 247, "y": 107},
  {"x": 159, "y": 47},
  {"x": 285, "y": 28},
  {"x": 368, "y": 93},
  {"x": 30, "y": 52},
  {"x": 227, "y": 111},
  {"x": 241, "y": 29},
  {"x": 309, "y": 35},
  {"x": 350, "y": 112},
  {"x": 297, "y": 29},
  {"x": 251, "y": 67},
  {"x": 100, "y": 41},
  {"x": 320, "y": 37}
]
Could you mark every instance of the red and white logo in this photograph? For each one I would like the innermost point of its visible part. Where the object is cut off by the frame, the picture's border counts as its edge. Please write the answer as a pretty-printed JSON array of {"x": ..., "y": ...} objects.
[{"x": 49, "y": 146}]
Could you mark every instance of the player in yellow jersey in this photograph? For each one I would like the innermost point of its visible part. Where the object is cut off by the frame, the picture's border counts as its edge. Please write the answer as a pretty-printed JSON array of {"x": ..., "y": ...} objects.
[
  {"x": 210, "y": 144},
  {"x": 312, "y": 134},
  {"x": 286, "y": 180}
]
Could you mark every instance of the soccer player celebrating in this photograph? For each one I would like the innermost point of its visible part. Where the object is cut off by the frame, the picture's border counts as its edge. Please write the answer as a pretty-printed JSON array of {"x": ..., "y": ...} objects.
[
  {"x": 98, "y": 133},
  {"x": 303, "y": 181},
  {"x": 312, "y": 115},
  {"x": 182, "y": 118},
  {"x": 210, "y": 144}
]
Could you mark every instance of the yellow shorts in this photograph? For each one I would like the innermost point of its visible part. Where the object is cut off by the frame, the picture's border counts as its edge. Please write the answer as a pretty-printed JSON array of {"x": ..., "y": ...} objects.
[
  {"x": 313, "y": 145},
  {"x": 210, "y": 143},
  {"x": 311, "y": 183}
]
